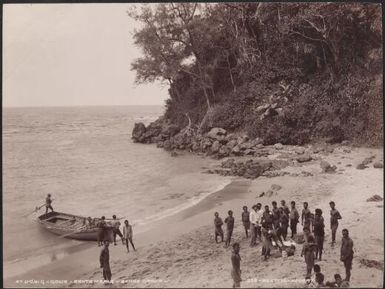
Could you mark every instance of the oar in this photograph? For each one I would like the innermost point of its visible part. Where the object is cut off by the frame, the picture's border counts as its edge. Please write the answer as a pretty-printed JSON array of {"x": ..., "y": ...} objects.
[{"x": 36, "y": 209}]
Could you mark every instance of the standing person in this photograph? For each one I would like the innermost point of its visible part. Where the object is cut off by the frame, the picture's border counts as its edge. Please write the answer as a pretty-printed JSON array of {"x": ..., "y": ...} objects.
[
  {"x": 285, "y": 207},
  {"x": 284, "y": 222},
  {"x": 266, "y": 239},
  {"x": 116, "y": 229},
  {"x": 259, "y": 221},
  {"x": 306, "y": 216},
  {"x": 229, "y": 227},
  {"x": 276, "y": 215},
  {"x": 253, "y": 225},
  {"x": 347, "y": 253},
  {"x": 267, "y": 217},
  {"x": 306, "y": 234},
  {"x": 294, "y": 219},
  {"x": 102, "y": 225},
  {"x": 246, "y": 220},
  {"x": 308, "y": 252},
  {"x": 48, "y": 204},
  {"x": 236, "y": 266},
  {"x": 334, "y": 217},
  {"x": 319, "y": 233},
  {"x": 218, "y": 227},
  {"x": 105, "y": 262},
  {"x": 127, "y": 235}
]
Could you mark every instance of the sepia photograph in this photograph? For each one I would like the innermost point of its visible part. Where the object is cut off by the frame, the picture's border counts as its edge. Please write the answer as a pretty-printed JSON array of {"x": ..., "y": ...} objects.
[{"x": 192, "y": 145}]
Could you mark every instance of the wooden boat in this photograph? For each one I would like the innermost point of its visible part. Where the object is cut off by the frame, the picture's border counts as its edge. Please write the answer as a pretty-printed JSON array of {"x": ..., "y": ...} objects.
[{"x": 71, "y": 226}]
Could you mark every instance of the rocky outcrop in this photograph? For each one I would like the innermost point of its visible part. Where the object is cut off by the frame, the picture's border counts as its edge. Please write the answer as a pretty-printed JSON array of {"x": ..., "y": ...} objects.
[
  {"x": 250, "y": 169},
  {"x": 138, "y": 131}
]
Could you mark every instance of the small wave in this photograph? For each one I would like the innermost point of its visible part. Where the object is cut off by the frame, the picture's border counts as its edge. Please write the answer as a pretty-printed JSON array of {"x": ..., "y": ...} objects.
[{"x": 173, "y": 211}]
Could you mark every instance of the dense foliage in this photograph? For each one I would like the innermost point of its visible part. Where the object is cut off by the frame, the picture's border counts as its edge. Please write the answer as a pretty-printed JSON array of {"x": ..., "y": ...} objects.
[{"x": 285, "y": 72}]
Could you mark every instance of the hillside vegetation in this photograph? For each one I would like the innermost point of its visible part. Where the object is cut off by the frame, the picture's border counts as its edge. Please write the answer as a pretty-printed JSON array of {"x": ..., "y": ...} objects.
[{"x": 292, "y": 73}]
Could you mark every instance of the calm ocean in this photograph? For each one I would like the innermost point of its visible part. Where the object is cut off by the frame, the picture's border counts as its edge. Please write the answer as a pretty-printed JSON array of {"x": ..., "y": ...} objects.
[{"x": 85, "y": 158}]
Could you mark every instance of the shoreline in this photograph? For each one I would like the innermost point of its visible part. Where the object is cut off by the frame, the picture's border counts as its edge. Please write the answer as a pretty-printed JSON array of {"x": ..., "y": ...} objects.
[
  {"x": 144, "y": 237},
  {"x": 190, "y": 231}
]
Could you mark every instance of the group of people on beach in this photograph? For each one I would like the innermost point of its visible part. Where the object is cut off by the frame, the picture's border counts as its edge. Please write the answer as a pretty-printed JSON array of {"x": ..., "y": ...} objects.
[
  {"x": 104, "y": 240},
  {"x": 271, "y": 227},
  {"x": 103, "y": 235}
]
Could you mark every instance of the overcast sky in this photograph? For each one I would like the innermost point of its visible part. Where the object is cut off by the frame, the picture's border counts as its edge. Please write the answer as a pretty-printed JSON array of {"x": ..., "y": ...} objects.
[{"x": 71, "y": 54}]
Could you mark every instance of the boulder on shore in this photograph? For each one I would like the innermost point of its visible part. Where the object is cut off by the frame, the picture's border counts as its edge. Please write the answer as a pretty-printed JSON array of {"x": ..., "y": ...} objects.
[
  {"x": 361, "y": 167},
  {"x": 138, "y": 131},
  {"x": 217, "y": 133},
  {"x": 304, "y": 158},
  {"x": 374, "y": 198},
  {"x": 276, "y": 187},
  {"x": 378, "y": 165},
  {"x": 215, "y": 147},
  {"x": 278, "y": 146},
  {"x": 368, "y": 160},
  {"x": 327, "y": 168}
]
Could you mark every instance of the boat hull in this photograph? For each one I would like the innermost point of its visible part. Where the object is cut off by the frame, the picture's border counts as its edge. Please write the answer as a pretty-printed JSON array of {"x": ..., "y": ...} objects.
[{"x": 71, "y": 227}]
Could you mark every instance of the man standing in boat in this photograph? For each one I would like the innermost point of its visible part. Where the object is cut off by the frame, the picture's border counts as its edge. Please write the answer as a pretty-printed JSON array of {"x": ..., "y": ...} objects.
[
  {"x": 105, "y": 262},
  {"x": 48, "y": 202}
]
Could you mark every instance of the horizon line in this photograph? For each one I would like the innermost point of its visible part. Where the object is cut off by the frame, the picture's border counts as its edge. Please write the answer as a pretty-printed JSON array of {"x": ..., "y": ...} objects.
[{"x": 79, "y": 105}]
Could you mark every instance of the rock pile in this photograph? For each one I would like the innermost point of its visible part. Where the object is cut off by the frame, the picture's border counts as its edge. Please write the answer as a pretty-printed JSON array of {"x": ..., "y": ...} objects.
[
  {"x": 217, "y": 142},
  {"x": 364, "y": 164},
  {"x": 374, "y": 198},
  {"x": 372, "y": 264}
]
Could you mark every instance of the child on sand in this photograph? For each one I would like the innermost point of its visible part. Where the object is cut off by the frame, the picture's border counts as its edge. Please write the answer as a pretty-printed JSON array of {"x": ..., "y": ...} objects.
[
  {"x": 276, "y": 214},
  {"x": 338, "y": 282},
  {"x": 334, "y": 217},
  {"x": 246, "y": 220},
  {"x": 319, "y": 233},
  {"x": 306, "y": 216},
  {"x": 308, "y": 252},
  {"x": 284, "y": 222},
  {"x": 267, "y": 242},
  {"x": 229, "y": 228},
  {"x": 128, "y": 235},
  {"x": 294, "y": 217},
  {"x": 347, "y": 252},
  {"x": 236, "y": 266},
  {"x": 218, "y": 227}
]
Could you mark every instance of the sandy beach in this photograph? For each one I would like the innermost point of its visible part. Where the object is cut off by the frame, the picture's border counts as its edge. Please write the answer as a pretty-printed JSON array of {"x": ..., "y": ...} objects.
[{"x": 180, "y": 251}]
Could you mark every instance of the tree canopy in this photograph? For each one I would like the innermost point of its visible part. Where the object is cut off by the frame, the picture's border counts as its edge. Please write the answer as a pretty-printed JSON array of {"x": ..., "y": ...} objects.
[{"x": 319, "y": 62}]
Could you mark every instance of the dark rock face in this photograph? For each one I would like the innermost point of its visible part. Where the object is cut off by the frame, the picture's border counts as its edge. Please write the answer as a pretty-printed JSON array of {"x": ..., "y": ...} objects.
[
  {"x": 170, "y": 130},
  {"x": 138, "y": 131}
]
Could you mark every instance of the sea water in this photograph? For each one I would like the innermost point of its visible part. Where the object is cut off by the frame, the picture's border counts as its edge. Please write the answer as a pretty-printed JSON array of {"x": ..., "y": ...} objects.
[{"x": 85, "y": 158}]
